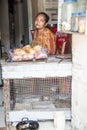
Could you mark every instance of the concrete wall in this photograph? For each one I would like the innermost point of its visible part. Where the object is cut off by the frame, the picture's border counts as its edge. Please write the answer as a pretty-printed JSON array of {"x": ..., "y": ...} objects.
[
  {"x": 18, "y": 21},
  {"x": 34, "y": 4},
  {"x": 79, "y": 82},
  {"x": 5, "y": 38},
  {"x": 0, "y": 16}
]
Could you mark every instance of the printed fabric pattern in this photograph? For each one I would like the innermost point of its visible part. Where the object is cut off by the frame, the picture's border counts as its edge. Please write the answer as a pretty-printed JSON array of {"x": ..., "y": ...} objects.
[{"x": 46, "y": 39}]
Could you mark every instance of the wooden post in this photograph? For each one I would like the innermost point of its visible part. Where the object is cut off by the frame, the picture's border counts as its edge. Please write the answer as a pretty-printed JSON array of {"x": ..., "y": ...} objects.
[{"x": 6, "y": 96}]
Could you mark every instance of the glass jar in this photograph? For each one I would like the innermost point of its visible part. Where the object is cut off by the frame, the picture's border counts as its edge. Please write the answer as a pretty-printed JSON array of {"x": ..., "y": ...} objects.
[
  {"x": 68, "y": 7},
  {"x": 81, "y": 22},
  {"x": 74, "y": 22}
]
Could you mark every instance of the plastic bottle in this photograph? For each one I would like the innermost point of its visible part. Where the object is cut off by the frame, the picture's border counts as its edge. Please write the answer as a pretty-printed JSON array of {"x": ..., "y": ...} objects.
[
  {"x": 68, "y": 7},
  {"x": 74, "y": 21},
  {"x": 81, "y": 22}
]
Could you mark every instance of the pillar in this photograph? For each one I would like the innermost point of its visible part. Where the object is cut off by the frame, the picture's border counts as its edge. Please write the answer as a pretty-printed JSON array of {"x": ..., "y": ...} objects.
[
  {"x": 18, "y": 20},
  {"x": 79, "y": 82},
  {"x": 5, "y": 38}
]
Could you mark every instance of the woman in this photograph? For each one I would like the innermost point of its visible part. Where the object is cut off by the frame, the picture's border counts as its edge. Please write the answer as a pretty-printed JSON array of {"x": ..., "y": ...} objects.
[{"x": 42, "y": 35}]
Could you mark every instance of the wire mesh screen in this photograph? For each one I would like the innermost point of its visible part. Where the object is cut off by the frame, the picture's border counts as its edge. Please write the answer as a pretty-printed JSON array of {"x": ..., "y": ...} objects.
[{"x": 55, "y": 92}]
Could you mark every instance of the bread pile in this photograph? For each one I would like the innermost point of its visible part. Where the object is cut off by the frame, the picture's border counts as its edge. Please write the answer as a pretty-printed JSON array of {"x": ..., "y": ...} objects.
[{"x": 28, "y": 53}]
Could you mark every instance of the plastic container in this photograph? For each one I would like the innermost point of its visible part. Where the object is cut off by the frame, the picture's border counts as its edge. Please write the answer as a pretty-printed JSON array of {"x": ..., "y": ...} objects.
[
  {"x": 68, "y": 7},
  {"x": 60, "y": 39},
  {"x": 81, "y": 5},
  {"x": 81, "y": 22},
  {"x": 74, "y": 21}
]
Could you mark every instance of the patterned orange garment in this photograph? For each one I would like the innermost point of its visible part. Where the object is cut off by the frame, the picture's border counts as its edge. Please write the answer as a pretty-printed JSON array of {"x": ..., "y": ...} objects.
[{"x": 46, "y": 39}]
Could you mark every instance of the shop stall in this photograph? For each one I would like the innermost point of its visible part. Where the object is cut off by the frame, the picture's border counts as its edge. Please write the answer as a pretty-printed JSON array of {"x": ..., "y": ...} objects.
[{"x": 35, "y": 87}]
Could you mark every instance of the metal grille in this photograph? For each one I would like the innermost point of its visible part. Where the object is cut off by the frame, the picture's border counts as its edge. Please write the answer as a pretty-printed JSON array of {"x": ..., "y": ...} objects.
[{"x": 55, "y": 90}]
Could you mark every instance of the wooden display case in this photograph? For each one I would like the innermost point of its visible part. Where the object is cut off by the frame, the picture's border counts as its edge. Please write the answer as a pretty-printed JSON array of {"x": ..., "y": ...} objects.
[{"x": 28, "y": 70}]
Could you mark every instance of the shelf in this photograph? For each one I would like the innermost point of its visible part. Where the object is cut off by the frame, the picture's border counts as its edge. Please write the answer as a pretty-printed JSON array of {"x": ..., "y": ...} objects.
[
  {"x": 70, "y": 32},
  {"x": 60, "y": 2}
]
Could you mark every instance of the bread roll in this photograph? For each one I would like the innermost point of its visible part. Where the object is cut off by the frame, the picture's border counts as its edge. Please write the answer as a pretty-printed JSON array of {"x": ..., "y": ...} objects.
[
  {"x": 19, "y": 52},
  {"x": 28, "y": 56},
  {"x": 32, "y": 51},
  {"x": 37, "y": 48},
  {"x": 26, "y": 48},
  {"x": 17, "y": 58}
]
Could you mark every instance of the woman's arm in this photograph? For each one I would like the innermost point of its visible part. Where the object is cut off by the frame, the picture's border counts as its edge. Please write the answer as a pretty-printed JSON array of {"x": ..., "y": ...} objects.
[{"x": 50, "y": 42}]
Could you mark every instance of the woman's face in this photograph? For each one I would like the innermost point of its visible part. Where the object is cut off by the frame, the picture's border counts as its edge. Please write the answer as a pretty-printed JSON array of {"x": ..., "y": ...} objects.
[{"x": 40, "y": 22}]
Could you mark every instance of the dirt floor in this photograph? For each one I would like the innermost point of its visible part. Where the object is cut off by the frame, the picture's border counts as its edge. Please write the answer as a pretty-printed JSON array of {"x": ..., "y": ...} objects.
[
  {"x": 44, "y": 126},
  {"x": 3, "y": 128}
]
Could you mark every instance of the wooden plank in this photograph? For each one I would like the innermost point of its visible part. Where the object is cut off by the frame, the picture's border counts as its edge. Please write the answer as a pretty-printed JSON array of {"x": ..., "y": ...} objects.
[
  {"x": 6, "y": 96},
  {"x": 15, "y": 116},
  {"x": 29, "y": 70}
]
